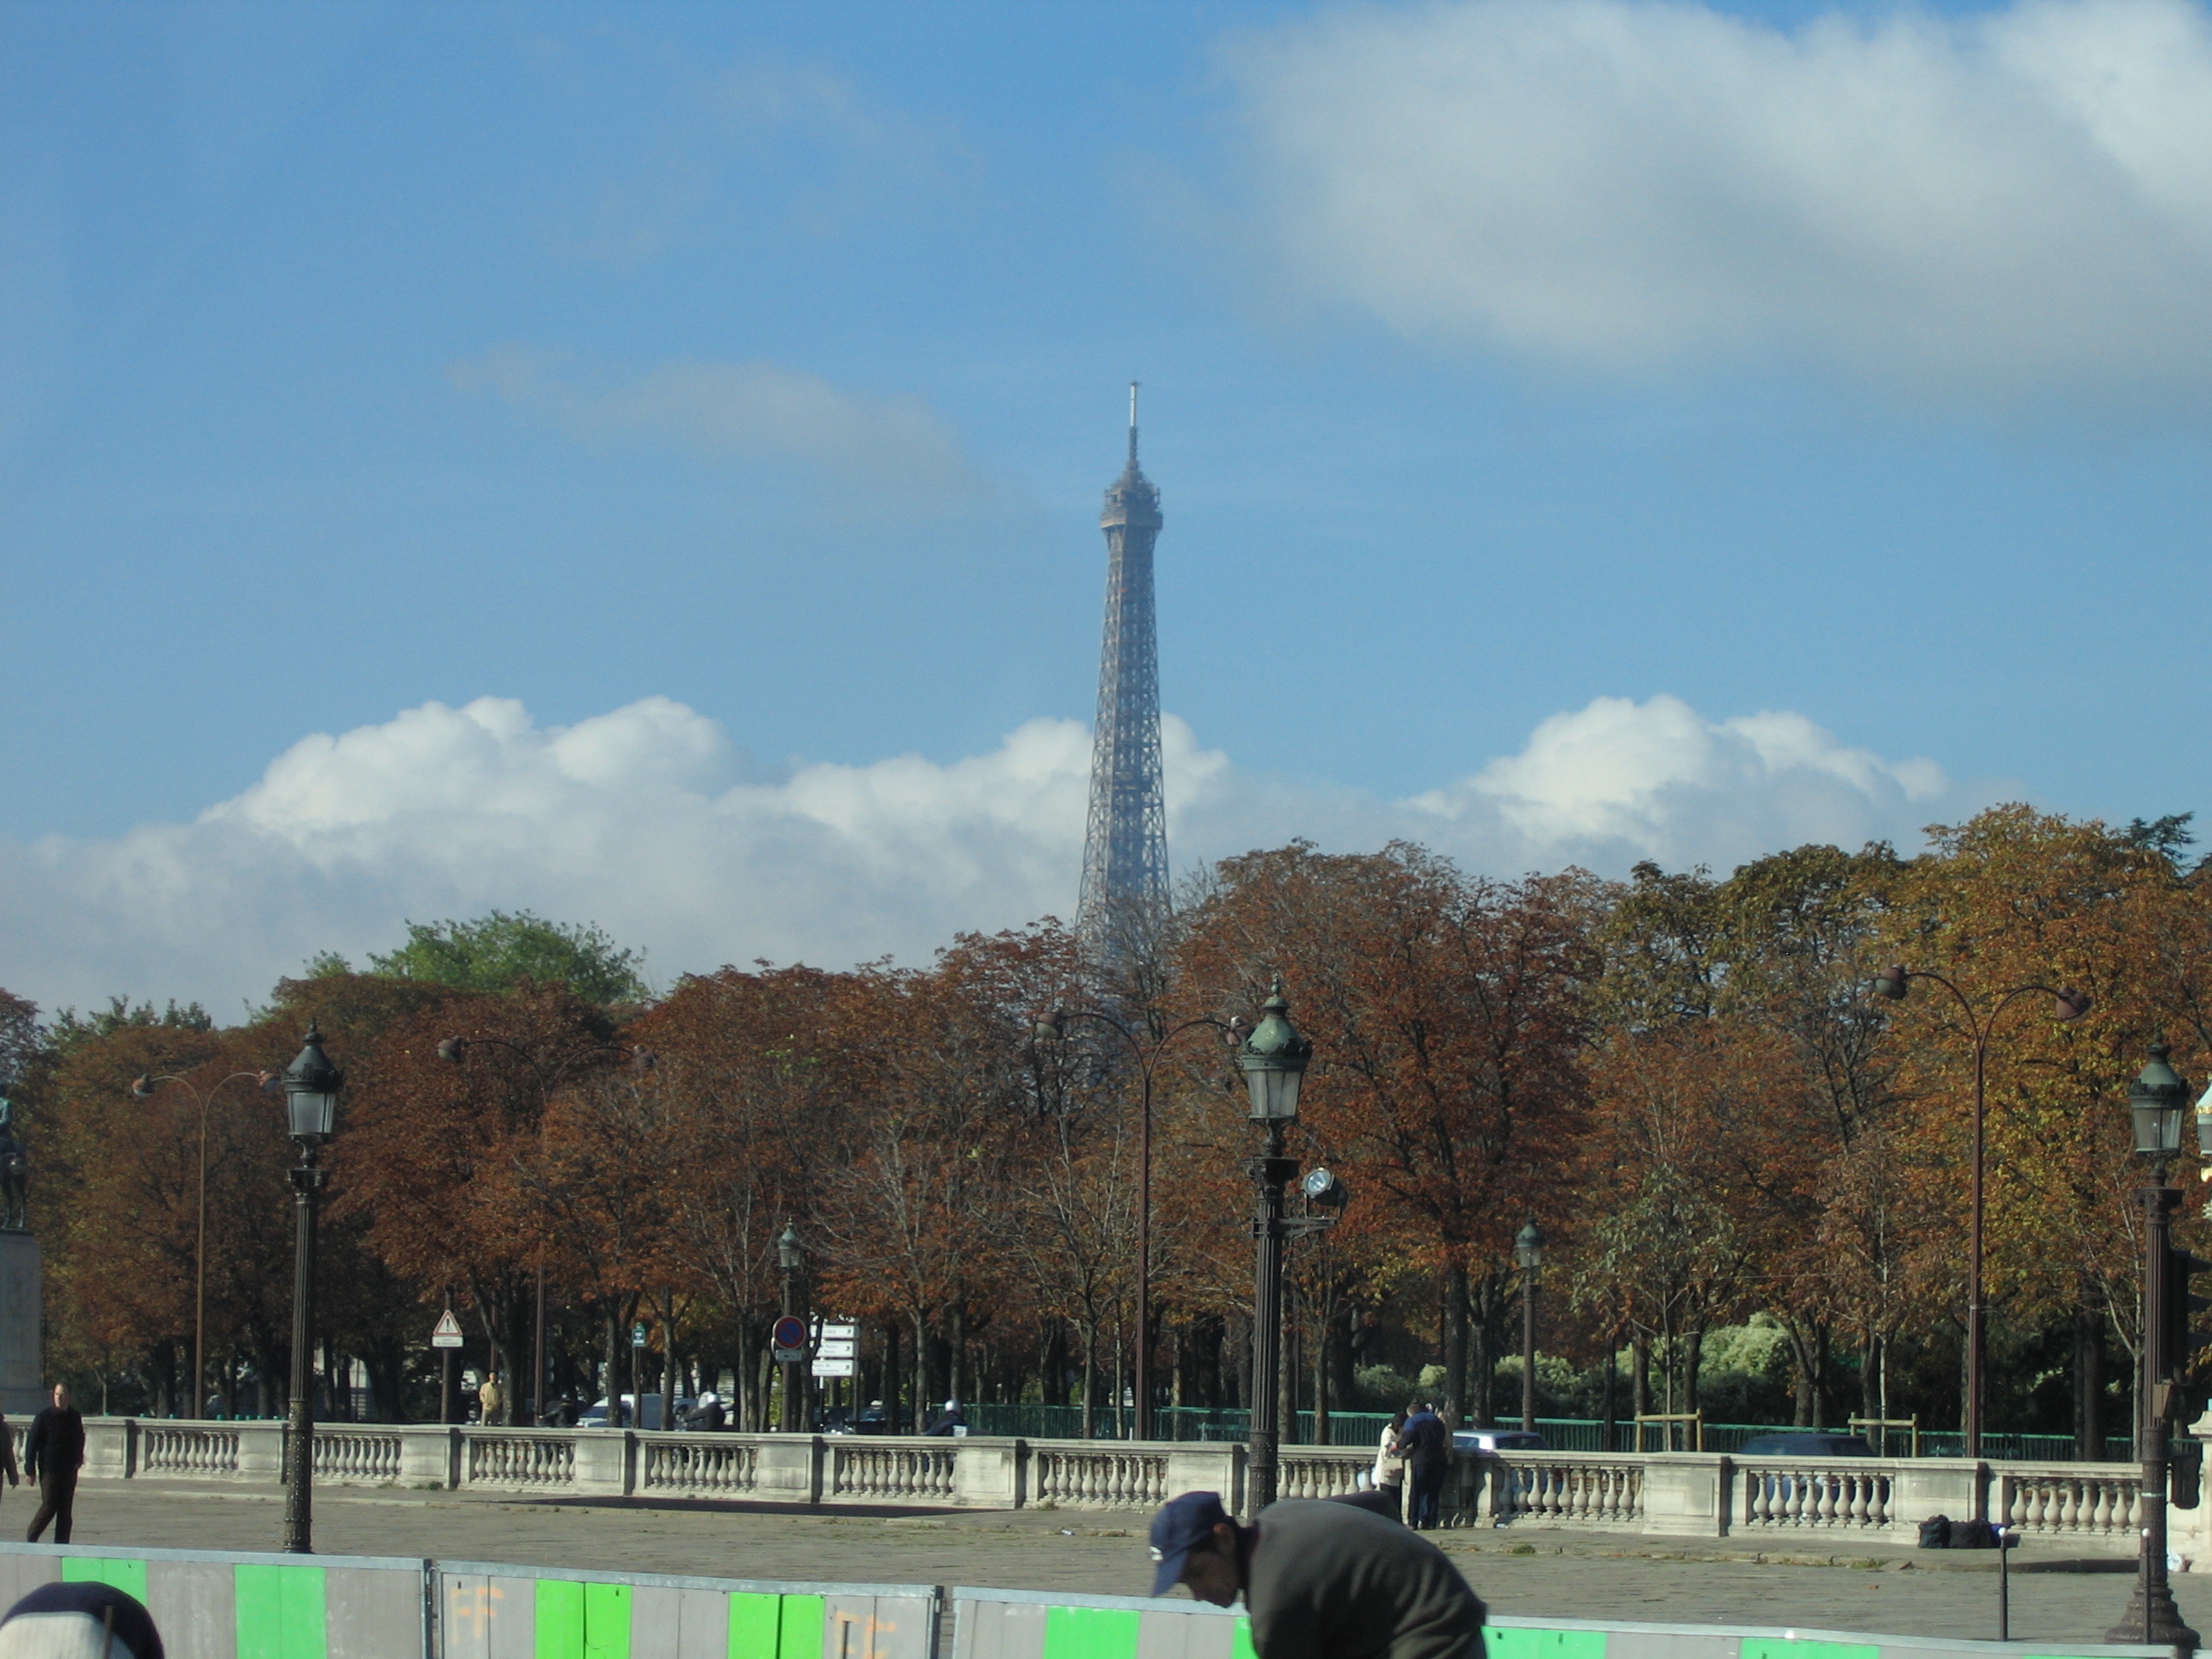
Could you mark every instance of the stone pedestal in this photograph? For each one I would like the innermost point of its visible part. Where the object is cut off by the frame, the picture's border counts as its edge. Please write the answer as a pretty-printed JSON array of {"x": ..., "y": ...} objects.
[{"x": 22, "y": 1361}]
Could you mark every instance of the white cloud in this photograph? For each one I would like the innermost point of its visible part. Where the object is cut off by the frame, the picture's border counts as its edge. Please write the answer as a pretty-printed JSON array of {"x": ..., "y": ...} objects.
[
  {"x": 2018, "y": 201},
  {"x": 756, "y": 412},
  {"x": 647, "y": 821}
]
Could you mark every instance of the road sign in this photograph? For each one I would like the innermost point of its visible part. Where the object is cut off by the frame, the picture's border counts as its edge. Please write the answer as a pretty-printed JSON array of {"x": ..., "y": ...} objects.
[
  {"x": 836, "y": 1347},
  {"x": 447, "y": 1332},
  {"x": 790, "y": 1339},
  {"x": 835, "y": 1367},
  {"x": 637, "y": 1334},
  {"x": 837, "y": 1330}
]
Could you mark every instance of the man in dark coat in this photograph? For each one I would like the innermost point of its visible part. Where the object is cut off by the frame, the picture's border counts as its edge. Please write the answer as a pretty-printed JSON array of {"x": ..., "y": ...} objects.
[
  {"x": 54, "y": 1452},
  {"x": 1425, "y": 1444},
  {"x": 1321, "y": 1580}
]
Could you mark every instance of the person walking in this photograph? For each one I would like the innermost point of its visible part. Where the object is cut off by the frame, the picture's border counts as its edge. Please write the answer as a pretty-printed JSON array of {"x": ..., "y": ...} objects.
[
  {"x": 1389, "y": 1477},
  {"x": 1425, "y": 1444},
  {"x": 1321, "y": 1580},
  {"x": 490, "y": 1400},
  {"x": 54, "y": 1452}
]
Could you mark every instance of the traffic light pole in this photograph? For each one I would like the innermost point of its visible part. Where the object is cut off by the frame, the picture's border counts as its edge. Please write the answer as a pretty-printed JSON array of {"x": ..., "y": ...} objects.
[{"x": 2152, "y": 1618}]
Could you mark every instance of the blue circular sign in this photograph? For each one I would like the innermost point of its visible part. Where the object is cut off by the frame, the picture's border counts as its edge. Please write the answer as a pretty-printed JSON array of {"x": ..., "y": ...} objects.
[{"x": 790, "y": 1331}]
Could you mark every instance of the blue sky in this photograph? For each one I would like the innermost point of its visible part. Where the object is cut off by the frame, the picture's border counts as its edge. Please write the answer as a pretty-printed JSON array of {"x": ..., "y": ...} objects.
[{"x": 761, "y": 367}]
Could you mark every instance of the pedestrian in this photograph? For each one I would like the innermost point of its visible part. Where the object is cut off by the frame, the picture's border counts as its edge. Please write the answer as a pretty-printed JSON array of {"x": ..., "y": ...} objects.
[
  {"x": 75, "y": 1616},
  {"x": 1390, "y": 1464},
  {"x": 489, "y": 1399},
  {"x": 1320, "y": 1580},
  {"x": 8, "y": 1453},
  {"x": 54, "y": 1452},
  {"x": 1425, "y": 1445}
]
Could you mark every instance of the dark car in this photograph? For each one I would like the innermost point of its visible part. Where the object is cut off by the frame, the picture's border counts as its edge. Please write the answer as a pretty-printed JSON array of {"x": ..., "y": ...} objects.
[{"x": 1805, "y": 1443}]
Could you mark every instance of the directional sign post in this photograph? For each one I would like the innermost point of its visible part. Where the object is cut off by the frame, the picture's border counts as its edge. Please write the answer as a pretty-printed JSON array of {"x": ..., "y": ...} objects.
[
  {"x": 637, "y": 1334},
  {"x": 447, "y": 1332}
]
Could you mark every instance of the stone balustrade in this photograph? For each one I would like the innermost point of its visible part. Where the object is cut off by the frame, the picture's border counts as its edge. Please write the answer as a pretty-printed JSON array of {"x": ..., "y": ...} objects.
[{"x": 1670, "y": 1494}]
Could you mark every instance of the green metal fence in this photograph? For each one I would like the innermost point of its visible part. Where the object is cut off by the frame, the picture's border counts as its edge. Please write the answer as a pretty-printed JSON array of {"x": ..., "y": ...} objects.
[{"x": 1039, "y": 1422}]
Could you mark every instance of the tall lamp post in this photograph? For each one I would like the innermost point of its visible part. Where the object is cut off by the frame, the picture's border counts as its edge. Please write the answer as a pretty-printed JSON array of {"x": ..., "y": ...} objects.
[
  {"x": 2065, "y": 1005},
  {"x": 144, "y": 1087},
  {"x": 1528, "y": 1250},
  {"x": 2155, "y": 1099},
  {"x": 791, "y": 1256},
  {"x": 311, "y": 1099},
  {"x": 1274, "y": 1058},
  {"x": 1051, "y": 1029}
]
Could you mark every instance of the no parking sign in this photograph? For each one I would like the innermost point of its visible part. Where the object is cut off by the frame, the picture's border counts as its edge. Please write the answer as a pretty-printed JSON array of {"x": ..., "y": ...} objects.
[{"x": 790, "y": 1339}]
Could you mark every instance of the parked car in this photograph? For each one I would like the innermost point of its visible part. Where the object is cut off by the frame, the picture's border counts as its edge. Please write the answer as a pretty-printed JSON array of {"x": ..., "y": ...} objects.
[
  {"x": 595, "y": 1417},
  {"x": 1810, "y": 1443},
  {"x": 1488, "y": 1443}
]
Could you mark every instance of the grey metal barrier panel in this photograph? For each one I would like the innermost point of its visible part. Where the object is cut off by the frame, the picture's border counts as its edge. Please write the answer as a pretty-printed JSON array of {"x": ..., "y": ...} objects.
[
  {"x": 999, "y": 1623},
  {"x": 213, "y": 1604},
  {"x": 1005, "y": 1624},
  {"x": 493, "y": 1610}
]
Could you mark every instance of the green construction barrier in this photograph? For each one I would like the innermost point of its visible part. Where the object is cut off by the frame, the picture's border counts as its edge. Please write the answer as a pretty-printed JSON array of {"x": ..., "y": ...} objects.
[
  {"x": 281, "y": 1612},
  {"x": 129, "y": 1577}
]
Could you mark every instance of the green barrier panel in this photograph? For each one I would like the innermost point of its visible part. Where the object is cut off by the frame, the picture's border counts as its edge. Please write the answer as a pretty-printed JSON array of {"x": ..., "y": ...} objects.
[
  {"x": 1769, "y": 1647},
  {"x": 754, "y": 1622},
  {"x": 1543, "y": 1644},
  {"x": 129, "y": 1577},
  {"x": 1240, "y": 1646},
  {"x": 1091, "y": 1633},
  {"x": 802, "y": 1620},
  {"x": 281, "y": 1612},
  {"x": 581, "y": 1621}
]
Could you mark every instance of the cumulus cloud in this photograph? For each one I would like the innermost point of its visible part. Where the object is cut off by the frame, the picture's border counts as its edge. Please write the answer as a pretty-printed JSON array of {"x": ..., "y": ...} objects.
[
  {"x": 649, "y": 821},
  {"x": 2014, "y": 202},
  {"x": 734, "y": 411}
]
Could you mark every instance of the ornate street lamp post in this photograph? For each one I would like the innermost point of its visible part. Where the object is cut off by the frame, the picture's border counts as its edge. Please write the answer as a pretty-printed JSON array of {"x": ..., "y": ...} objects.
[
  {"x": 144, "y": 1087},
  {"x": 1274, "y": 1058},
  {"x": 311, "y": 1099},
  {"x": 1528, "y": 1250},
  {"x": 2156, "y": 1102},
  {"x": 1051, "y": 1029},
  {"x": 791, "y": 1256},
  {"x": 2066, "y": 1006}
]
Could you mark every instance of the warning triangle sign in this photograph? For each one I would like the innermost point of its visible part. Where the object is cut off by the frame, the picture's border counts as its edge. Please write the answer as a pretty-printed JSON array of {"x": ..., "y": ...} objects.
[{"x": 448, "y": 1332}]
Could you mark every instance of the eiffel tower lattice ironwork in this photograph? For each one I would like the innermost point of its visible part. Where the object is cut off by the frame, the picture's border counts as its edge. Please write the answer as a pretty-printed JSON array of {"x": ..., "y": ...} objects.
[{"x": 1125, "y": 842}]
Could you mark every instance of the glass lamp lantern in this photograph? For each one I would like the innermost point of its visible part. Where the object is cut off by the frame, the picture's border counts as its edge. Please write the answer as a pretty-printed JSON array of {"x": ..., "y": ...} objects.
[
  {"x": 790, "y": 1253},
  {"x": 2156, "y": 1100},
  {"x": 311, "y": 1093},
  {"x": 1274, "y": 1061},
  {"x": 1528, "y": 1248}
]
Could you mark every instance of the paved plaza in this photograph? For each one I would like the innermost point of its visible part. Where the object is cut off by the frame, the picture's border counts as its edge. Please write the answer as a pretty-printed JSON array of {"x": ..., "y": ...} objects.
[{"x": 1580, "y": 1576}]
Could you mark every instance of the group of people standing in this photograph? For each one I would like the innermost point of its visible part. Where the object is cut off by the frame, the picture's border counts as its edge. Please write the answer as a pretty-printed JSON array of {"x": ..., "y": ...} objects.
[{"x": 1412, "y": 1461}]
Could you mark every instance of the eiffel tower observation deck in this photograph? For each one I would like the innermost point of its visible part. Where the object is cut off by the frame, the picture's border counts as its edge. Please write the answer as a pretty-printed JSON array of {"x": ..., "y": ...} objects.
[{"x": 1125, "y": 843}]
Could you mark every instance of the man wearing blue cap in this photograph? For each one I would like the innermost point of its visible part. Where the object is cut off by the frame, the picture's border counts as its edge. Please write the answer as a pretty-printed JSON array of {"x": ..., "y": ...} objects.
[{"x": 1320, "y": 1580}]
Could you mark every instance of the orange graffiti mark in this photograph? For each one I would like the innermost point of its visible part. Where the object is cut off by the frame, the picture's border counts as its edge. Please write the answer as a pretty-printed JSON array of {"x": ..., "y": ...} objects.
[{"x": 472, "y": 1604}]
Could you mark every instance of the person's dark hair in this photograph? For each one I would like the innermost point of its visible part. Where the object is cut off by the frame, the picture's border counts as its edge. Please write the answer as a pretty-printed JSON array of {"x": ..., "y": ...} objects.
[{"x": 1397, "y": 1420}]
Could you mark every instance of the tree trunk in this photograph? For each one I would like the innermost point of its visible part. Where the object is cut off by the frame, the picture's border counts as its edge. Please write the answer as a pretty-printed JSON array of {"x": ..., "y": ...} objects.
[
  {"x": 956, "y": 1357},
  {"x": 2088, "y": 1383},
  {"x": 1639, "y": 1373},
  {"x": 1052, "y": 1385},
  {"x": 1455, "y": 1344},
  {"x": 1611, "y": 1404},
  {"x": 894, "y": 1379}
]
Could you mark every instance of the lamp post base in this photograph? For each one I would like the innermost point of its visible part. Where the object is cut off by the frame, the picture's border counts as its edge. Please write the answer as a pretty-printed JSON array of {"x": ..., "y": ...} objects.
[{"x": 2153, "y": 1620}]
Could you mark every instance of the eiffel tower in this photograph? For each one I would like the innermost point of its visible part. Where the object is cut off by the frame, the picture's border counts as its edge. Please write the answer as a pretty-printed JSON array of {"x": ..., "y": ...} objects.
[{"x": 1125, "y": 843}]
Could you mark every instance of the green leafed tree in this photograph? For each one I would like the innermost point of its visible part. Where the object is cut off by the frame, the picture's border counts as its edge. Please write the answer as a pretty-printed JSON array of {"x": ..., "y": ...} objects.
[{"x": 499, "y": 951}]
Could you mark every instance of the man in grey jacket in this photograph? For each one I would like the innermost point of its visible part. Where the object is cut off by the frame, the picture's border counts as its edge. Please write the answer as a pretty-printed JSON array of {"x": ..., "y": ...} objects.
[{"x": 1321, "y": 1580}]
